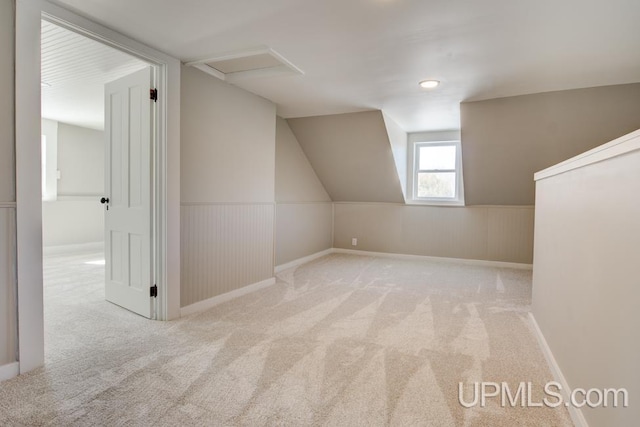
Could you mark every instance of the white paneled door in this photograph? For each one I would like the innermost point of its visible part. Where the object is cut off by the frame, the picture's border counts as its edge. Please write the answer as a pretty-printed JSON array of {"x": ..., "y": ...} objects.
[{"x": 127, "y": 199}]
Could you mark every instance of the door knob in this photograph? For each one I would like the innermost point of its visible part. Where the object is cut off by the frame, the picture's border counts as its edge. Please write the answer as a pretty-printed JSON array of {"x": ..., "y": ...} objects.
[{"x": 104, "y": 200}]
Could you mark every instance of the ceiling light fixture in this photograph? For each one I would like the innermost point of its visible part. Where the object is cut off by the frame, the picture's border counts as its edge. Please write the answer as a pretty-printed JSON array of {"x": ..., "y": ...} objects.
[{"x": 429, "y": 84}]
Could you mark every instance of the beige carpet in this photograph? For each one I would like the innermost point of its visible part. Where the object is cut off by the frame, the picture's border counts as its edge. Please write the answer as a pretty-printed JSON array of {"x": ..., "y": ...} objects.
[{"x": 342, "y": 341}]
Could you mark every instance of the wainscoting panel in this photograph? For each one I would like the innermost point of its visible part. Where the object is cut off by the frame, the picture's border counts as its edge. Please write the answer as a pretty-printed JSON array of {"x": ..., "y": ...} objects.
[
  {"x": 492, "y": 233},
  {"x": 8, "y": 312},
  {"x": 224, "y": 247},
  {"x": 510, "y": 233}
]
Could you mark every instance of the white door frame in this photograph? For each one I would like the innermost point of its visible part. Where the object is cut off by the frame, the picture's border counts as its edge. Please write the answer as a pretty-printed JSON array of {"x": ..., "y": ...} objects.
[{"x": 29, "y": 14}]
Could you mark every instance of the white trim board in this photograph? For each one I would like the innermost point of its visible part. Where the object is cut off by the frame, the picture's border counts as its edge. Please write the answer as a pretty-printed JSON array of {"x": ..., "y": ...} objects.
[
  {"x": 74, "y": 249},
  {"x": 576, "y": 413},
  {"x": 219, "y": 299},
  {"x": 10, "y": 370},
  {"x": 479, "y": 262},
  {"x": 484, "y": 263},
  {"x": 300, "y": 261}
]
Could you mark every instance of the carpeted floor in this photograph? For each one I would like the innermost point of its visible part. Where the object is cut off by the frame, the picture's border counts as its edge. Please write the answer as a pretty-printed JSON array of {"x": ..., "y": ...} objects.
[{"x": 342, "y": 341}]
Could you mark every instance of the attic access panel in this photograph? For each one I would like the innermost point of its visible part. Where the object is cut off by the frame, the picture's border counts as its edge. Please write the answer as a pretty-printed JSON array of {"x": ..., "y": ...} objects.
[{"x": 247, "y": 64}]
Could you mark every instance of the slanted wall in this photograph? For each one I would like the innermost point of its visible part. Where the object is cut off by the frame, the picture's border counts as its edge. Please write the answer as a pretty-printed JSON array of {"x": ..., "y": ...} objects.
[
  {"x": 505, "y": 141},
  {"x": 304, "y": 212},
  {"x": 352, "y": 156}
]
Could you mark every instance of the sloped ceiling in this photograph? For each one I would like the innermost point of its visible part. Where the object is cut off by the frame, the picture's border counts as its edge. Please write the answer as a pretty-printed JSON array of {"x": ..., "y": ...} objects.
[
  {"x": 352, "y": 156},
  {"x": 362, "y": 55}
]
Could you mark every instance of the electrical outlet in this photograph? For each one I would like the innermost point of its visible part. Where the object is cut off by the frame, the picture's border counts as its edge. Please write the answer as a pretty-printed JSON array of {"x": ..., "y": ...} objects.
[{"x": 354, "y": 241}]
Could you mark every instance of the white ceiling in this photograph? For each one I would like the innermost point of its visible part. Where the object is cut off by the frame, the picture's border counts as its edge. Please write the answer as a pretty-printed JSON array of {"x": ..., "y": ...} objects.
[
  {"x": 371, "y": 54},
  {"x": 77, "y": 68}
]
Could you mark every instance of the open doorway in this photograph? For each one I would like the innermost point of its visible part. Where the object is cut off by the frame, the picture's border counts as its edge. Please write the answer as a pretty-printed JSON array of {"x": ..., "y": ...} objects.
[
  {"x": 75, "y": 156},
  {"x": 28, "y": 206}
]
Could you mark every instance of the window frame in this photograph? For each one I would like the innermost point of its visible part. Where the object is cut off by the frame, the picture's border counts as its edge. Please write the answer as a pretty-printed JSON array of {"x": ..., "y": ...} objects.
[{"x": 414, "y": 170}]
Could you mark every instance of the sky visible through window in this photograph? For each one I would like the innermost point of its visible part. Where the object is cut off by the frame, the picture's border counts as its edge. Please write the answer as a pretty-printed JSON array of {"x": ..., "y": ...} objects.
[
  {"x": 433, "y": 181},
  {"x": 438, "y": 157}
]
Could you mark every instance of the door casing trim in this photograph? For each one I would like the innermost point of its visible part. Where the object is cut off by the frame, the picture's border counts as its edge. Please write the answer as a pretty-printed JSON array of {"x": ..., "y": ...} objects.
[{"x": 166, "y": 179}]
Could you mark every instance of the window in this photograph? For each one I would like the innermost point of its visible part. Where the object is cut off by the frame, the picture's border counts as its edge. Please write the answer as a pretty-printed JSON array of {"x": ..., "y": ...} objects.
[
  {"x": 43, "y": 155},
  {"x": 437, "y": 173},
  {"x": 49, "y": 160}
]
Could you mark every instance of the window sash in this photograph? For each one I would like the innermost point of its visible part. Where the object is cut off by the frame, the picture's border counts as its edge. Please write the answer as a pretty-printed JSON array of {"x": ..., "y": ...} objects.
[{"x": 417, "y": 170}]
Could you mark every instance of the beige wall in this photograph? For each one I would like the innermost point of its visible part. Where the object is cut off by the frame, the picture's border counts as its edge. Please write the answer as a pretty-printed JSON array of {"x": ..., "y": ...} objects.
[
  {"x": 302, "y": 229},
  {"x": 351, "y": 154},
  {"x": 304, "y": 213},
  {"x": 228, "y": 142},
  {"x": 295, "y": 179},
  {"x": 7, "y": 153},
  {"x": 505, "y": 141},
  {"x": 586, "y": 276},
  {"x": 80, "y": 161},
  {"x": 8, "y": 315},
  {"x": 72, "y": 222},
  {"x": 492, "y": 233},
  {"x": 227, "y": 187},
  {"x": 76, "y": 216}
]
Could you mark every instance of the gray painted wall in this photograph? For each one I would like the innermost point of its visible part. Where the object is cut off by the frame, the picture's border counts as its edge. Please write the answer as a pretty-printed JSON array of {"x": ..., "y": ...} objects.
[
  {"x": 304, "y": 213},
  {"x": 586, "y": 276},
  {"x": 8, "y": 315},
  {"x": 227, "y": 187},
  {"x": 352, "y": 155},
  {"x": 505, "y": 141}
]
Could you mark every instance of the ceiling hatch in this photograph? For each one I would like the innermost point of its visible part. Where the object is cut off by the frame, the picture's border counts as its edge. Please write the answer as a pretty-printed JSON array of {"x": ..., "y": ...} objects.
[{"x": 255, "y": 63}]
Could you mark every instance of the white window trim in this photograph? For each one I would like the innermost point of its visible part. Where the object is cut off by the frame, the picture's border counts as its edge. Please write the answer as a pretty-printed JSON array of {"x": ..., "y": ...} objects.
[{"x": 412, "y": 198}]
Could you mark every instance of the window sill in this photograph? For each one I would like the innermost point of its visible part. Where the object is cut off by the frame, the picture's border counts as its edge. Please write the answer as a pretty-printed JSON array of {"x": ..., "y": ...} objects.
[{"x": 457, "y": 203}]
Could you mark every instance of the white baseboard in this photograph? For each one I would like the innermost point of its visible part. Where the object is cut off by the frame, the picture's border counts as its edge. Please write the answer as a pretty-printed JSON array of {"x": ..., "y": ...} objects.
[
  {"x": 499, "y": 264},
  {"x": 303, "y": 260},
  {"x": 219, "y": 299},
  {"x": 74, "y": 249},
  {"x": 9, "y": 371},
  {"x": 576, "y": 413}
]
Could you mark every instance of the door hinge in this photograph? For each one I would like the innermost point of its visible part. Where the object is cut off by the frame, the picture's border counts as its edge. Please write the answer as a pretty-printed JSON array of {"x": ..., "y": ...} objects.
[
  {"x": 153, "y": 94},
  {"x": 154, "y": 291}
]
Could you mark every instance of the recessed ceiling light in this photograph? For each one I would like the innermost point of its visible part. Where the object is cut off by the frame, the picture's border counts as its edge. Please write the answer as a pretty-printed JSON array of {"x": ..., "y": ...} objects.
[{"x": 429, "y": 84}]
